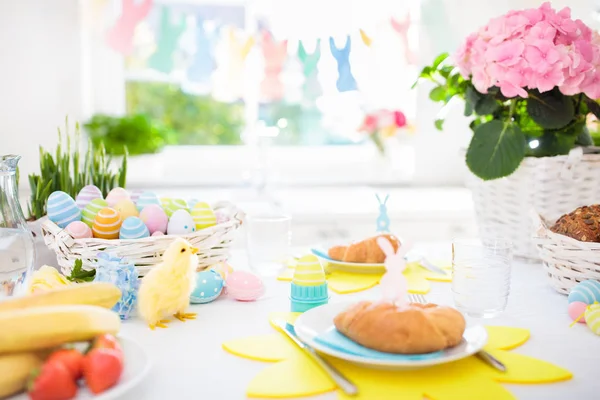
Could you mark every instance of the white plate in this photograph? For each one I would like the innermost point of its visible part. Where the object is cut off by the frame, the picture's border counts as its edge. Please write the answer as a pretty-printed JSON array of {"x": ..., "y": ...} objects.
[
  {"x": 320, "y": 319},
  {"x": 329, "y": 264},
  {"x": 136, "y": 367}
]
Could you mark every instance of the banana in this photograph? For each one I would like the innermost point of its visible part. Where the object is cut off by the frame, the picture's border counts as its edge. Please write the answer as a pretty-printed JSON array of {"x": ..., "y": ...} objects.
[
  {"x": 101, "y": 294},
  {"x": 14, "y": 371},
  {"x": 43, "y": 327}
]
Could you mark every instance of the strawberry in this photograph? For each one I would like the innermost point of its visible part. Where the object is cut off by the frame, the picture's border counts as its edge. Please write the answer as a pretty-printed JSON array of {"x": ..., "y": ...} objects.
[
  {"x": 107, "y": 341},
  {"x": 52, "y": 382},
  {"x": 72, "y": 359},
  {"x": 102, "y": 369}
]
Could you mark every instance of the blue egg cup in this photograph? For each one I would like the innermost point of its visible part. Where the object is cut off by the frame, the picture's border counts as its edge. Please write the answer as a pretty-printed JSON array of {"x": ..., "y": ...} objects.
[{"x": 304, "y": 298}]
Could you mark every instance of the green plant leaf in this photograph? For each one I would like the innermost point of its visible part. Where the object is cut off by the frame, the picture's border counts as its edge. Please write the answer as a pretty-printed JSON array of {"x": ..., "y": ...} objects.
[
  {"x": 496, "y": 149},
  {"x": 584, "y": 138},
  {"x": 446, "y": 70},
  {"x": 486, "y": 105},
  {"x": 472, "y": 97},
  {"x": 438, "y": 60},
  {"x": 593, "y": 106},
  {"x": 438, "y": 93},
  {"x": 78, "y": 274},
  {"x": 550, "y": 110},
  {"x": 468, "y": 109},
  {"x": 439, "y": 124}
]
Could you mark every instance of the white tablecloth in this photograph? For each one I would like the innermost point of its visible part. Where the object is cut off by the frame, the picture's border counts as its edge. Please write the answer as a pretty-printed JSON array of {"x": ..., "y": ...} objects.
[{"x": 189, "y": 363}]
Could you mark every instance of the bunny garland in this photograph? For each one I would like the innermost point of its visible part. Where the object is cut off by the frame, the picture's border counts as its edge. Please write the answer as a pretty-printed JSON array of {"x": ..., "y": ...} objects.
[
  {"x": 120, "y": 36},
  {"x": 394, "y": 285},
  {"x": 345, "y": 81},
  {"x": 162, "y": 59}
]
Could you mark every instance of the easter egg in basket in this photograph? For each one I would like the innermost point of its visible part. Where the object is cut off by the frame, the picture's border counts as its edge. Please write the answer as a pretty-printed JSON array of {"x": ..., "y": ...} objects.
[
  {"x": 62, "y": 209},
  {"x": 127, "y": 209},
  {"x": 87, "y": 194},
  {"x": 79, "y": 230},
  {"x": 89, "y": 212},
  {"x": 146, "y": 199},
  {"x": 586, "y": 292},
  {"x": 117, "y": 195},
  {"x": 174, "y": 205},
  {"x": 203, "y": 215},
  {"x": 209, "y": 285},
  {"x": 134, "y": 195},
  {"x": 155, "y": 218},
  {"x": 191, "y": 203},
  {"x": 180, "y": 223},
  {"x": 592, "y": 317},
  {"x": 133, "y": 228},
  {"x": 107, "y": 224}
]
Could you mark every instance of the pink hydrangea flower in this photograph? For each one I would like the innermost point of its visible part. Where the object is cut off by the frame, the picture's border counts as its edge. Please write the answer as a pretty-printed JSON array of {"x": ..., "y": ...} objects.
[{"x": 538, "y": 48}]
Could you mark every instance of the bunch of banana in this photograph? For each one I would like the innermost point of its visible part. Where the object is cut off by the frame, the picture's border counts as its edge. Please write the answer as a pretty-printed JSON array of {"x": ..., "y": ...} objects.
[{"x": 32, "y": 325}]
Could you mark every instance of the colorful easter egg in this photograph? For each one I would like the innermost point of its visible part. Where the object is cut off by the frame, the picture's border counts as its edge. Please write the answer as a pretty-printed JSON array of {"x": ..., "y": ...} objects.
[
  {"x": 191, "y": 203},
  {"x": 576, "y": 309},
  {"x": 586, "y": 292},
  {"x": 116, "y": 195},
  {"x": 146, "y": 199},
  {"x": 209, "y": 286},
  {"x": 79, "y": 230},
  {"x": 203, "y": 216},
  {"x": 107, "y": 224},
  {"x": 127, "y": 209},
  {"x": 62, "y": 209},
  {"x": 592, "y": 317},
  {"x": 244, "y": 286},
  {"x": 134, "y": 195},
  {"x": 89, "y": 212},
  {"x": 174, "y": 205},
  {"x": 158, "y": 233},
  {"x": 133, "y": 228},
  {"x": 164, "y": 202},
  {"x": 87, "y": 194},
  {"x": 155, "y": 218},
  {"x": 180, "y": 223}
]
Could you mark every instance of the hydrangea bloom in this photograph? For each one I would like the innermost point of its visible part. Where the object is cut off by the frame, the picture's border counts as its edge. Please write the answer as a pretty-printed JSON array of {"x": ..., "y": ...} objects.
[{"x": 537, "y": 48}]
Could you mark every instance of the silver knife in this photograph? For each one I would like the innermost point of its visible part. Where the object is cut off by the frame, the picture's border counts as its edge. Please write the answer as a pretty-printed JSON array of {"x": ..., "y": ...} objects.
[
  {"x": 425, "y": 263},
  {"x": 487, "y": 357},
  {"x": 343, "y": 383}
]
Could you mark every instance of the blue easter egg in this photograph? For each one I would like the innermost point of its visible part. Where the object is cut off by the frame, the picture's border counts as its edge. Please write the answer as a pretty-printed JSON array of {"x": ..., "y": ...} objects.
[
  {"x": 133, "y": 228},
  {"x": 209, "y": 285},
  {"x": 587, "y": 292},
  {"x": 62, "y": 209},
  {"x": 146, "y": 199}
]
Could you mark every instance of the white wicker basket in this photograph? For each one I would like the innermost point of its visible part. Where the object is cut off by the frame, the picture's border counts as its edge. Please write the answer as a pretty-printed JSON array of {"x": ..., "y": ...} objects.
[
  {"x": 567, "y": 261},
  {"x": 552, "y": 186},
  {"x": 213, "y": 244}
]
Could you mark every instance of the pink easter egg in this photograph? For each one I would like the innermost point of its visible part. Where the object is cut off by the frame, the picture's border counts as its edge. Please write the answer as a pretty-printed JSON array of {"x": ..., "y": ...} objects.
[
  {"x": 576, "y": 309},
  {"x": 79, "y": 230},
  {"x": 155, "y": 218},
  {"x": 87, "y": 194},
  {"x": 244, "y": 286},
  {"x": 158, "y": 233}
]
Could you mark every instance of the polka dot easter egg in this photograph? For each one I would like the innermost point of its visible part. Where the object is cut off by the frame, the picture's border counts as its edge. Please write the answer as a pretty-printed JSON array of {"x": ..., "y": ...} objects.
[
  {"x": 592, "y": 317},
  {"x": 107, "y": 224},
  {"x": 203, "y": 215},
  {"x": 89, "y": 212},
  {"x": 180, "y": 223},
  {"x": 79, "y": 230},
  {"x": 155, "y": 218},
  {"x": 87, "y": 194},
  {"x": 62, "y": 209},
  {"x": 116, "y": 195},
  {"x": 244, "y": 286},
  {"x": 174, "y": 205},
  {"x": 209, "y": 286},
  {"x": 587, "y": 292},
  {"x": 127, "y": 209},
  {"x": 146, "y": 199},
  {"x": 133, "y": 228}
]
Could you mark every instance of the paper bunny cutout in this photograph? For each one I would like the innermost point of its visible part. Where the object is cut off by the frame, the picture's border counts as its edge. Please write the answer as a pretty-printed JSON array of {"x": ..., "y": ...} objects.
[
  {"x": 383, "y": 221},
  {"x": 275, "y": 54},
  {"x": 394, "y": 286},
  {"x": 120, "y": 36},
  {"x": 345, "y": 81},
  {"x": 401, "y": 27},
  {"x": 168, "y": 38}
]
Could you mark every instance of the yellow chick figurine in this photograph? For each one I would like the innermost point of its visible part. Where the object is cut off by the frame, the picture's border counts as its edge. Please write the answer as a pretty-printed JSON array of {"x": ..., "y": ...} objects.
[{"x": 166, "y": 289}]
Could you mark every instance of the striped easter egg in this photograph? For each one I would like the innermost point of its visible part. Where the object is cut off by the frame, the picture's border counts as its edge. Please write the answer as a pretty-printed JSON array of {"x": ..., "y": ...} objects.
[
  {"x": 174, "y": 205},
  {"x": 133, "y": 228},
  {"x": 203, "y": 216},
  {"x": 107, "y": 224},
  {"x": 164, "y": 202},
  {"x": 592, "y": 317},
  {"x": 146, "y": 199},
  {"x": 117, "y": 195},
  {"x": 89, "y": 212},
  {"x": 87, "y": 194},
  {"x": 62, "y": 209},
  {"x": 308, "y": 272},
  {"x": 191, "y": 203},
  {"x": 587, "y": 292},
  {"x": 127, "y": 209}
]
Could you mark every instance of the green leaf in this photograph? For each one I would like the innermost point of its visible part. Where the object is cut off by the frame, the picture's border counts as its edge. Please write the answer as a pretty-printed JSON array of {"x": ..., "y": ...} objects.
[
  {"x": 584, "y": 138},
  {"x": 593, "y": 106},
  {"x": 445, "y": 71},
  {"x": 468, "y": 109},
  {"x": 486, "y": 105},
  {"x": 438, "y": 93},
  {"x": 550, "y": 110},
  {"x": 78, "y": 274},
  {"x": 439, "y": 124},
  {"x": 472, "y": 97},
  {"x": 496, "y": 150},
  {"x": 553, "y": 144},
  {"x": 439, "y": 59}
]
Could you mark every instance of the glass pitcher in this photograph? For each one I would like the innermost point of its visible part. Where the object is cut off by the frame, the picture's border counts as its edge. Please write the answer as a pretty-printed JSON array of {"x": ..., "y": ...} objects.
[{"x": 17, "y": 251}]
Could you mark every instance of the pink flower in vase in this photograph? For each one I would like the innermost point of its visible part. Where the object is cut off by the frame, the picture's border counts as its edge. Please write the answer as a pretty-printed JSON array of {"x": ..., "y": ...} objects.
[{"x": 369, "y": 124}]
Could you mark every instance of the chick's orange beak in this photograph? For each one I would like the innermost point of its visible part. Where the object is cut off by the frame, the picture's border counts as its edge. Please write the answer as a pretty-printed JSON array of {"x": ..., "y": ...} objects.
[{"x": 194, "y": 250}]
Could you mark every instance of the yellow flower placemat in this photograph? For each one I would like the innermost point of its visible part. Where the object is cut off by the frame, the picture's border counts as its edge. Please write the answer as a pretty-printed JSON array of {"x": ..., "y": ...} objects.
[
  {"x": 294, "y": 374},
  {"x": 344, "y": 282}
]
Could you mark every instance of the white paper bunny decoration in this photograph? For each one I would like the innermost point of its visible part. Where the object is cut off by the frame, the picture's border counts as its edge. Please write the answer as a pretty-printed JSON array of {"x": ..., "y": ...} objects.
[{"x": 394, "y": 286}]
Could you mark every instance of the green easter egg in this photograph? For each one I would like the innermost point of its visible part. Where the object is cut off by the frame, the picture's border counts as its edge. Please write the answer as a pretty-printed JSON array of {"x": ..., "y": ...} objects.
[
  {"x": 89, "y": 212},
  {"x": 174, "y": 205}
]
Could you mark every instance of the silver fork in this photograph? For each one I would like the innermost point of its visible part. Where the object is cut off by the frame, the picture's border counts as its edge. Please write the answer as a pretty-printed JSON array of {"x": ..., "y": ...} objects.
[{"x": 482, "y": 354}]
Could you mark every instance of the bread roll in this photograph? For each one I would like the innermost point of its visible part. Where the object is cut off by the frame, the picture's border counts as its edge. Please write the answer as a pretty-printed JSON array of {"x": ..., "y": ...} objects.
[{"x": 583, "y": 224}]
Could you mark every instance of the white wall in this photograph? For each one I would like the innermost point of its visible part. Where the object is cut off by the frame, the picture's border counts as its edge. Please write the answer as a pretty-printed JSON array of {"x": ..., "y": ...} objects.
[{"x": 40, "y": 74}]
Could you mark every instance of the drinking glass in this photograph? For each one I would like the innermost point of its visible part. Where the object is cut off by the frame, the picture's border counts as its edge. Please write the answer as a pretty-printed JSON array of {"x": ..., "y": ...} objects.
[
  {"x": 481, "y": 276},
  {"x": 268, "y": 240}
]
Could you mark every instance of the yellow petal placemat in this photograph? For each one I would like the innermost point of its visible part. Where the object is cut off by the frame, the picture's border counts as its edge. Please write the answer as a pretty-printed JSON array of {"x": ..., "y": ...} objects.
[
  {"x": 344, "y": 282},
  {"x": 293, "y": 374}
]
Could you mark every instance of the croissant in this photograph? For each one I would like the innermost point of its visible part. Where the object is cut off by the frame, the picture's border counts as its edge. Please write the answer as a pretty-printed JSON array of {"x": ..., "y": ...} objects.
[
  {"x": 414, "y": 329},
  {"x": 365, "y": 251}
]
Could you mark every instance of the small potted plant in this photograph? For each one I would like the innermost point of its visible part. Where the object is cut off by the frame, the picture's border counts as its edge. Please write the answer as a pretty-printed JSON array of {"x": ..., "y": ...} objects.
[{"x": 529, "y": 80}]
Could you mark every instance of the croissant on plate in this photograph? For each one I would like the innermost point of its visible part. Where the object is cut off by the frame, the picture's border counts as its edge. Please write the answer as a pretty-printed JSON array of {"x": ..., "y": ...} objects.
[{"x": 365, "y": 251}]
